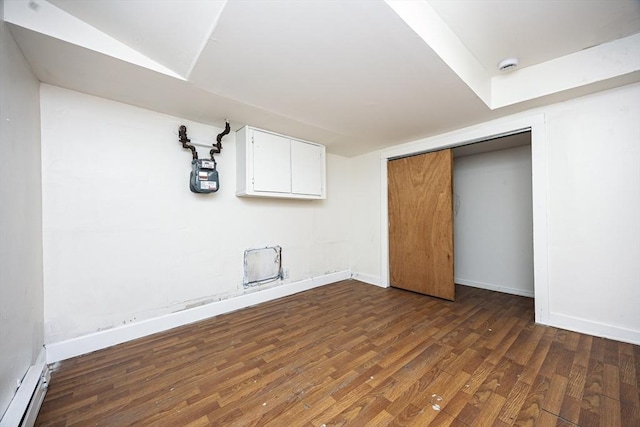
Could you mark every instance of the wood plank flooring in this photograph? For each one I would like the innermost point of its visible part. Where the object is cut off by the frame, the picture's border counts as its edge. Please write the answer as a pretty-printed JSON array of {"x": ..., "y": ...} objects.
[{"x": 359, "y": 355}]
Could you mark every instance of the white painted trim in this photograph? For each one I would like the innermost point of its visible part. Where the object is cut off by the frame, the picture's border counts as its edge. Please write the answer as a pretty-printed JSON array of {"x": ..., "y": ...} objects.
[
  {"x": 484, "y": 131},
  {"x": 22, "y": 399},
  {"x": 491, "y": 287},
  {"x": 96, "y": 341},
  {"x": 539, "y": 195},
  {"x": 368, "y": 278},
  {"x": 384, "y": 224},
  {"x": 589, "y": 327}
]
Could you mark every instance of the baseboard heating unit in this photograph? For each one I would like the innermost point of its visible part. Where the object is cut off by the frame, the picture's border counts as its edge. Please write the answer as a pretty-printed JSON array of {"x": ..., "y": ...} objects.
[{"x": 23, "y": 409}]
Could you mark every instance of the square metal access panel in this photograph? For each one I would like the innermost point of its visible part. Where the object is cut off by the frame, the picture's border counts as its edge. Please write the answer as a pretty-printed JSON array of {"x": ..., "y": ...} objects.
[{"x": 262, "y": 265}]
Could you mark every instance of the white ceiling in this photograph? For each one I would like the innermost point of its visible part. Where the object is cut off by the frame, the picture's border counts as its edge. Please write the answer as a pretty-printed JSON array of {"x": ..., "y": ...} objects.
[
  {"x": 536, "y": 31},
  {"x": 356, "y": 75}
]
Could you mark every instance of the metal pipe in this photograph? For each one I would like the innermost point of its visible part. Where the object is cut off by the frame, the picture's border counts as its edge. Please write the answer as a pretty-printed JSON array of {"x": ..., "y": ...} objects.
[
  {"x": 182, "y": 132},
  {"x": 218, "y": 147}
]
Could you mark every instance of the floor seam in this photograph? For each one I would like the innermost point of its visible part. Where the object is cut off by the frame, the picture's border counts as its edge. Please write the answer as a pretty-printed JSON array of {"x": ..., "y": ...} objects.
[{"x": 561, "y": 418}]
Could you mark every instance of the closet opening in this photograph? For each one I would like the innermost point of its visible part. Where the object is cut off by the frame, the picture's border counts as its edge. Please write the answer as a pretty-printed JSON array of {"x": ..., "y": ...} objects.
[
  {"x": 488, "y": 137},
  {"x": 493, "y": 215}
]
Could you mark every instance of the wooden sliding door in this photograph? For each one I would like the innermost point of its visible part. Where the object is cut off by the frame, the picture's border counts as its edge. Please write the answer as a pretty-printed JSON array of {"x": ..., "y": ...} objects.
[{"x": 421, "y": 224}]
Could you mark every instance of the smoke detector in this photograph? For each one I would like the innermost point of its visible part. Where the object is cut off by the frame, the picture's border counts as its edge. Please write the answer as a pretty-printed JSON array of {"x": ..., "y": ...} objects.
[{"x": 508, "y": 64}]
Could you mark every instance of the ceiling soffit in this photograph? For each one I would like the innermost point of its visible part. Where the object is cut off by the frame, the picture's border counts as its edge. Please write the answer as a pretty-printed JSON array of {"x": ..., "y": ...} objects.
[{"x": 356, "y": 76}]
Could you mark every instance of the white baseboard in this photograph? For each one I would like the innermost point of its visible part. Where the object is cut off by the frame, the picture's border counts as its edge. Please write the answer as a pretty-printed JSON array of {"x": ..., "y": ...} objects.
[
  {"x": 490, "y": 287},
  {"x": 594, "y": 328},
  {"x": 24, "y": 406},
  {"x": 368, "y": 278},
  {"x": 98, "y": 340},
  {"x": 567, "y": 322}
]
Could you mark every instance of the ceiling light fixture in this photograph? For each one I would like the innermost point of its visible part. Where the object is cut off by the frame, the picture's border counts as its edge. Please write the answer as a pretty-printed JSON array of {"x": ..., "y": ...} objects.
[{"x": 508, "y": 64}]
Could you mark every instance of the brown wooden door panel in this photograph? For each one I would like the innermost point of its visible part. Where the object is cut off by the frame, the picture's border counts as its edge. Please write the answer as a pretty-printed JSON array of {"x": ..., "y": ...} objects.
[{"x": 421, "y": 224}]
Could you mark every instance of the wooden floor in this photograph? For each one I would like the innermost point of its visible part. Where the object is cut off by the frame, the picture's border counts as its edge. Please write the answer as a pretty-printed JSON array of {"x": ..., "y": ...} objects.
[{"x": 355, "y": 354}]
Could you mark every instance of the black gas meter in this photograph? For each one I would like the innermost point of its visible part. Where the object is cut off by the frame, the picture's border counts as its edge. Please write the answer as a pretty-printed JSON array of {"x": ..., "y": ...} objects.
[{"x": 204, "y": 176}]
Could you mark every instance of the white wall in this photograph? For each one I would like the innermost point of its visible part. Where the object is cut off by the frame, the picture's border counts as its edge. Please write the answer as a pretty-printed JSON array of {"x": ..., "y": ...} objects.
[
  {"x": 125, "y": 239},
  {"x": 365, "y": 217},
  {"x": 592, "y": 169},
  {"x": 493, "y": 222},
  {"x": 594, "y": 210},
  {"x": 21, "y": 291}
]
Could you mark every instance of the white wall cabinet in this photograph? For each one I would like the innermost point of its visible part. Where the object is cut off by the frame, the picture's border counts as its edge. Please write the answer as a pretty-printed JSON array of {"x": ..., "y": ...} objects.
[{"x": 273, "y": 165}]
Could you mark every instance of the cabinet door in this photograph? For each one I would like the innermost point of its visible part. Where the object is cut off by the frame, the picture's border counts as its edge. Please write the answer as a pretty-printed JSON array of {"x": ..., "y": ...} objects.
[
  {"x": 271, "y": 163},
  {"x": 307, "y": 166}
]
